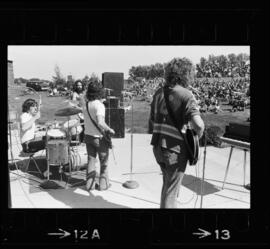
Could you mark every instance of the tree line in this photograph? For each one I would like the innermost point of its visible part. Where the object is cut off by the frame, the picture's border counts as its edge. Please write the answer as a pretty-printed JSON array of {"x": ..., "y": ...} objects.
[
  {"x": 231, "y": 65},
  {"x": 58, "y": 80}
]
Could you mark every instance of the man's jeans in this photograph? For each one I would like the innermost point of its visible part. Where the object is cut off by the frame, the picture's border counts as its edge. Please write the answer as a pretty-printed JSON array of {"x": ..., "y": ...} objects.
[
  {"x": 96, "y": 146},
  {"x": 173, "y": 166},
  {"x": 34, "y": 145}
]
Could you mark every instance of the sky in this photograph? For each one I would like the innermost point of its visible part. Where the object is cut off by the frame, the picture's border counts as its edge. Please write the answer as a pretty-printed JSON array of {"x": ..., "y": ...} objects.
[{"x": 78, "y": 61}]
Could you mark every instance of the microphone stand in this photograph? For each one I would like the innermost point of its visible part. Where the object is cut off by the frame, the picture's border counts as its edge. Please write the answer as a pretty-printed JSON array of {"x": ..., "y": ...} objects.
[
  {"x": 131, "y": 184},
  {"x": 204, "y": 159},
  {"x": 204, "y": 153}
]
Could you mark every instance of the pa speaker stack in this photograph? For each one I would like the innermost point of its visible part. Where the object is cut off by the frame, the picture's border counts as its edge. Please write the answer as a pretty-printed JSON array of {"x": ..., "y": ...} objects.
[
  {"x": 115, "y": 118},
  {"x": 115, "y": 115}
]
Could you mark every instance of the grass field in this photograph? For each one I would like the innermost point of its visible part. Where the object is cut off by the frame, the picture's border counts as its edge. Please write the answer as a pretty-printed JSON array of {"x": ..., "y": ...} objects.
[{"x": 141, "y": 110}]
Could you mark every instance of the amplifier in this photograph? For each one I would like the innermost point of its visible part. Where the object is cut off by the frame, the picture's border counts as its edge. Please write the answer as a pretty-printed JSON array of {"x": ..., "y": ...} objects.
[
  {"x": 115, "y": 118},
  {"x": 238, "y": 131}
]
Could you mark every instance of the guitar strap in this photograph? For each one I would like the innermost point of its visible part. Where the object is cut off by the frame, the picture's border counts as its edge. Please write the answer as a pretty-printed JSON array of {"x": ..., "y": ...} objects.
[{"x": 170, "y": 112}]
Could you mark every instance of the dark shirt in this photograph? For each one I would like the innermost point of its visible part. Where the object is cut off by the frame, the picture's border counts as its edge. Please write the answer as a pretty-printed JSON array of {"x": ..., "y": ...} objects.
[{"x": 183, "y": 105}]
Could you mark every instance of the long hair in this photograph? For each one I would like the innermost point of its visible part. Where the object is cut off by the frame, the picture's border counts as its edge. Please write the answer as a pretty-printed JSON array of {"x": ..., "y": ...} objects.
[
  {"x": 179, "y": 71},
  {"x": 27, "y": 104},
  {"x": 75, "y": 88},
  {"x": 94, "y": 91}
]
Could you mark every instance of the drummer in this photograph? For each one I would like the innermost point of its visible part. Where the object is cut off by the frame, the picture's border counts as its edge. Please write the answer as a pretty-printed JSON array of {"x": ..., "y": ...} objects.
[
  {"x": 77, "y": 95},
  {"x": 30, "y": 113}
]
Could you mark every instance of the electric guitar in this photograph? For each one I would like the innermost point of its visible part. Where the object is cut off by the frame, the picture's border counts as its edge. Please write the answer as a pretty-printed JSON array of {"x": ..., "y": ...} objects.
[{"x": 192, "y": 144}]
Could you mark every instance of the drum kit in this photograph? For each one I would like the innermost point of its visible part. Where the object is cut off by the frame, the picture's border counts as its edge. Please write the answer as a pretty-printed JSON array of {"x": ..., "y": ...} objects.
[{"x": 59, "y": 137}]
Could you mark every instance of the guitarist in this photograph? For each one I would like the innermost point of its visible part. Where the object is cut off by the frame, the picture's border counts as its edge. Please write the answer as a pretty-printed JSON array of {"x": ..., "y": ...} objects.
[
  {"x": 169, "y": 146},
  {"x": 94, "y": 116}
]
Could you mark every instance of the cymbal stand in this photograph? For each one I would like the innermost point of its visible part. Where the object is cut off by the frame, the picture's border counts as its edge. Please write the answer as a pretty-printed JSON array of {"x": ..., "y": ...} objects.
[{"x": 69, "y": 160}]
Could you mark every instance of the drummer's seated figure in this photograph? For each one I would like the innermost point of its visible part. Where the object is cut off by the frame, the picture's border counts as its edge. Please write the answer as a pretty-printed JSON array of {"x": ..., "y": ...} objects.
[{"x": 30, "y": 114}]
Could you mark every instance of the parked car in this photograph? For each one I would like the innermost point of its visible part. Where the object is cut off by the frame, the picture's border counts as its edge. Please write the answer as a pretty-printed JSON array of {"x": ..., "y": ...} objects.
[
  {"x": 35, "y": 85},
  {"x": 38, "y": 85}
]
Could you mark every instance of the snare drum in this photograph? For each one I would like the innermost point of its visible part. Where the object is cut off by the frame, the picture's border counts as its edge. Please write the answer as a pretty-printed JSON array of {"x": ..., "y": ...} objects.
[
  {"x": 54, "y": 134},
  {"x": 57, "y": 152}
]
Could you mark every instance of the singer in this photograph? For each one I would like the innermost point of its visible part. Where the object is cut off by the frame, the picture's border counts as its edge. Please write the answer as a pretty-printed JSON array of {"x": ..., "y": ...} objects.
[{"x": 30, "y": 113}]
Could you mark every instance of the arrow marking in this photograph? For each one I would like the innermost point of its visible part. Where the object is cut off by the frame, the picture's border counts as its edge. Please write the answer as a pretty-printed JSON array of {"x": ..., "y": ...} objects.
[
  {"x": 202, "y": 233},
  {"x": 64, "y": 233}
]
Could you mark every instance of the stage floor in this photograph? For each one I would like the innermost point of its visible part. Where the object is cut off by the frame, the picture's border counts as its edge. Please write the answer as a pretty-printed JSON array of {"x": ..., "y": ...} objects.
[{"x": 27, "y": 193}]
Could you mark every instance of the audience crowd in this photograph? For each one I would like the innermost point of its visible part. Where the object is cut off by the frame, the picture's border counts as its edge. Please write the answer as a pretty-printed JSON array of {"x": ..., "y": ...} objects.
[{"x": 209, "y": 92}]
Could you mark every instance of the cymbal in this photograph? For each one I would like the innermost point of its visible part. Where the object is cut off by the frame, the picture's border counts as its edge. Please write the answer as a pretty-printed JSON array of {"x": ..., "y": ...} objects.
[{"x": 68, "y": 111}]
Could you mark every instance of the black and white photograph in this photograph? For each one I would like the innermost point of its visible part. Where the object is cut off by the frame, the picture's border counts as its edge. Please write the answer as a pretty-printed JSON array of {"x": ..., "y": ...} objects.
[{"x": 129, "y": 127}]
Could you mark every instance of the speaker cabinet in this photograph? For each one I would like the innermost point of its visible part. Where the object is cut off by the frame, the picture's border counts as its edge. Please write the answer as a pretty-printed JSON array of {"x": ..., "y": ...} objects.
[
  {"x": 114, "y": 81},
  {"x": 113, "y": 102},
  {"x": 115, "y": 118}
]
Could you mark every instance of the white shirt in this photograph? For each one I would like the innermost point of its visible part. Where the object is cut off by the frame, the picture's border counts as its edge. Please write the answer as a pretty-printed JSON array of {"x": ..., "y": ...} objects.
[
  {"x": 29, "y": 133},
  {"x": 96, "y": 108}
]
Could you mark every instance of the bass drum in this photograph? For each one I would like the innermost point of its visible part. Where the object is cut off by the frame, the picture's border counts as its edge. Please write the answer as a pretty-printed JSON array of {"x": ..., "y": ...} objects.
[{"x": 57, "y": 152}]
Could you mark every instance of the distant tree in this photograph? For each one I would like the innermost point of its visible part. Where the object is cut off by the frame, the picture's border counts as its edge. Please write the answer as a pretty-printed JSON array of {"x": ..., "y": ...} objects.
[
  {"x": 241, "y": 64},
  {"x": 199, "y": 71},
  {"x": 94, "y": 77},
  {"x": 149, "y": 71},
  {"x": 20, "y": 80},
  {"x": 34, "y": 79},
  {"x": 132, "y": 73},
  {"x": 85, "y": 80},
  {"x": 70, "y": 83},
  {"x": 203, "y": 62},
  {"x": 140, "y": 71},
  {"x": 232, "y": 60},
  {"x": 159, "y": 68},
  {"x": 58, "y": 80},
  {"x": 201, "y": 67},
  {"x": 223, "y": 65}
]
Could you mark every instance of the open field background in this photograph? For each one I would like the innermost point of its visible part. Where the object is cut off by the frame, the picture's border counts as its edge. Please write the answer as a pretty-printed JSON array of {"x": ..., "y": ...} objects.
[{"x": 141, "y": 110}]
